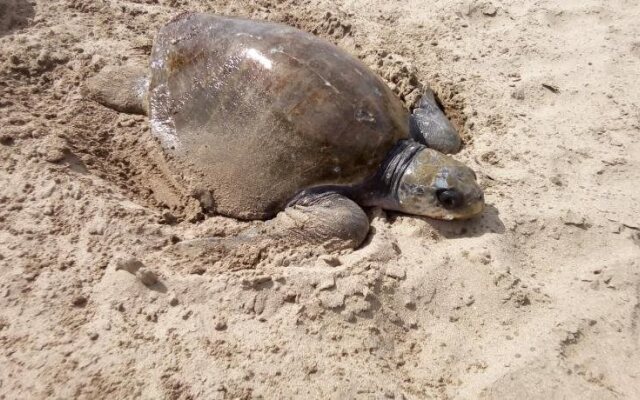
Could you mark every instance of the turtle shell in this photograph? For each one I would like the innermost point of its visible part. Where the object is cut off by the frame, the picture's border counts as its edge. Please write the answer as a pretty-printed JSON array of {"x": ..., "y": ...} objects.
[{"x": 253, "y": 112}]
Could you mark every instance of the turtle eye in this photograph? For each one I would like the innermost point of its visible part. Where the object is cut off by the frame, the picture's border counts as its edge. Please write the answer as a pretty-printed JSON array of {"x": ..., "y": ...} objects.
[{"x": 450, "y": 198}]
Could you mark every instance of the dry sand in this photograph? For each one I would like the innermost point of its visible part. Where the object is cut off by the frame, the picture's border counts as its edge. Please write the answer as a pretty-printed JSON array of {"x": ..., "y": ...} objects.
[{"x": 539, "y": 298}]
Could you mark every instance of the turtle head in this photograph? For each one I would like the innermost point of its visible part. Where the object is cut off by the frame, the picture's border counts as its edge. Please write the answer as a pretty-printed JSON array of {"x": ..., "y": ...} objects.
[{"x": 437, "y": 186}]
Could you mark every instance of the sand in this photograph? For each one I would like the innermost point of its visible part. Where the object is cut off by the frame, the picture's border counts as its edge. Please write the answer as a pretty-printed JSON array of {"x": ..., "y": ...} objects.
[{"x": 537, "y": 299}]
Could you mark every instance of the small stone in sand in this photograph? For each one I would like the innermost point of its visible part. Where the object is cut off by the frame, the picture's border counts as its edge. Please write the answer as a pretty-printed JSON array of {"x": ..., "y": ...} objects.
[
  {"x": 129, "y": 264},
  {"x": 221, "y": 325},
  {"x": 147, "y": 277},
  {"x": 489, "y": 10},
  {"x": 331, "y": 261},
  {"x": 79, "y": 301}
]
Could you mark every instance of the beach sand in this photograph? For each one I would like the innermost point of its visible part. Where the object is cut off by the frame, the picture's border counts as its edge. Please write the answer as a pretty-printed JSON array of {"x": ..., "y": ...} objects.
[{"x": 537, "y": 299}]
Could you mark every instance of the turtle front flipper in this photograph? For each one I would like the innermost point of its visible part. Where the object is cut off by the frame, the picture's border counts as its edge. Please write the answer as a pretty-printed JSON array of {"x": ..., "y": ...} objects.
[
  {"x": 322, "y": 219},
  {"x": 123, "y": 88},
  {"x": 430, "y": 126}
]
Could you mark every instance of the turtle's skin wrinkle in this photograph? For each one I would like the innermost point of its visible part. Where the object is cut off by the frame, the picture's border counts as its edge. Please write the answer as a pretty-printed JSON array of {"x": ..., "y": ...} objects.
[{"x": 270, "y": 120}]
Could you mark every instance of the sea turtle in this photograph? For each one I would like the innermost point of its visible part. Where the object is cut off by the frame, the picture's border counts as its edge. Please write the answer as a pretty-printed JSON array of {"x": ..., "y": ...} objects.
[{"x": 264, "y": 121}]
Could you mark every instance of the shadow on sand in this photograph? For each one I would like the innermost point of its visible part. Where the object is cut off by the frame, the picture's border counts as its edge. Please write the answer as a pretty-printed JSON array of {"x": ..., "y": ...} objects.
[{"x": 488, "y": 222}]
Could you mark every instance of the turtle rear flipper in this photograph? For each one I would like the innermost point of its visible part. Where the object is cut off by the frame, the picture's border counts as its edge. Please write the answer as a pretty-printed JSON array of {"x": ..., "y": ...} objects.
[{"x": 123, "y": 89}]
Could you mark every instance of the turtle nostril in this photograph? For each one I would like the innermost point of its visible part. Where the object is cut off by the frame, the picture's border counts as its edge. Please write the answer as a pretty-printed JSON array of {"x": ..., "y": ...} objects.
[{"x": 450, "y": 198}]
